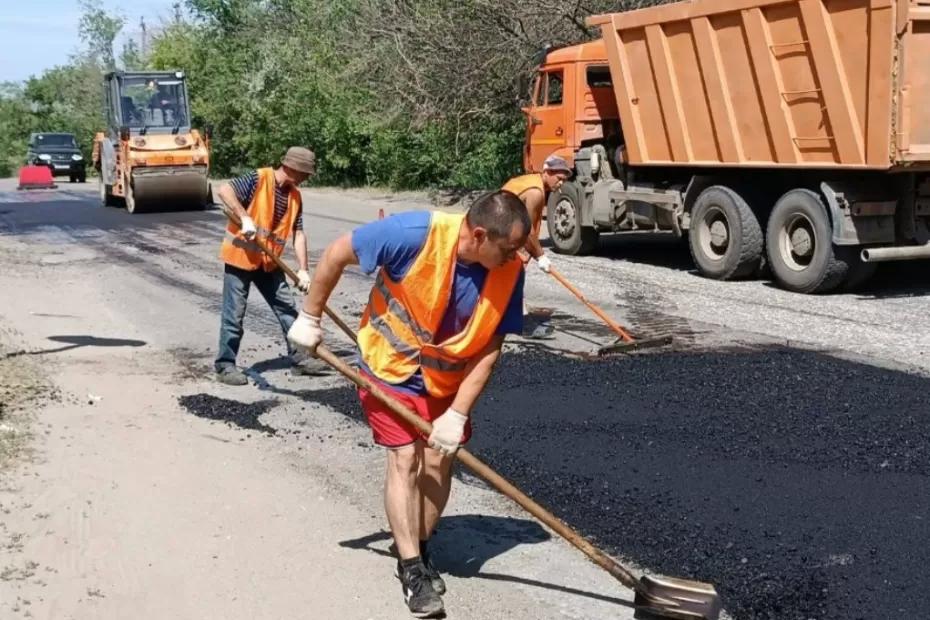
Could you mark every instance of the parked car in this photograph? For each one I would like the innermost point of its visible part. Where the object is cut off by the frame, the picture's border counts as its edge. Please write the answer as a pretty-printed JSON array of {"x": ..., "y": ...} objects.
[{"x": 58, "y": 151}]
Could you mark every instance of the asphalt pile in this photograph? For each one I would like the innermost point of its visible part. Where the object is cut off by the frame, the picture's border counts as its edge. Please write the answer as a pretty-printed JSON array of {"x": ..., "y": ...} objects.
[
  {"x": 232, "y": 412},
  {"x": 796, "y": 482}
]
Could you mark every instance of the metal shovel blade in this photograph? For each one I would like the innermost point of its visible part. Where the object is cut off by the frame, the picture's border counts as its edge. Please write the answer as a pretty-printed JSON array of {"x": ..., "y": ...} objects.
[
  {"x": 670, "y": 597},
  {"x": 621, "y": 346}
]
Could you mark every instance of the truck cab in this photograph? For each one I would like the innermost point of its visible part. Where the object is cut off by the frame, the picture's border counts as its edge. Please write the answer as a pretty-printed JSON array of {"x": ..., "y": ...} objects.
[
  {"x": 573, "y": 113},
  {"x": 572, "y": 104}
]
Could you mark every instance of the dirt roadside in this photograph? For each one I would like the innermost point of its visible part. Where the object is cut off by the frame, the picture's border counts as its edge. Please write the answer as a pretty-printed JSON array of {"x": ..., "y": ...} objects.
[{"x": 21, "y": 385}]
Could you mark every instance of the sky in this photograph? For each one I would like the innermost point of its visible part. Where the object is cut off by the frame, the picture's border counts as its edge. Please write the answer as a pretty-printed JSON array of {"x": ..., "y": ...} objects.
[{"x": 39, "y": 34}]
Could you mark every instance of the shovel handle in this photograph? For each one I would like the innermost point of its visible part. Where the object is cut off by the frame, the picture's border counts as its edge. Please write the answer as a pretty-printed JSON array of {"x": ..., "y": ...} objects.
[
  {"x": 624, "y": 335},
  {"x": 234, "y": 218},
  {"x": 492, "y": 477}
]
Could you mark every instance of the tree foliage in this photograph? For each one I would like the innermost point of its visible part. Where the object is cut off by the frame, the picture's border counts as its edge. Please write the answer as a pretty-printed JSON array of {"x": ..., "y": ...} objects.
[{"x": 98, "y": 30}]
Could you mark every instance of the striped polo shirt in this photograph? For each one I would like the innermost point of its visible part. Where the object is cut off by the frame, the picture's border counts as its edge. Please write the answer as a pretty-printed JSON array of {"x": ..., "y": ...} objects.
[{"x": 244, "y": 187}]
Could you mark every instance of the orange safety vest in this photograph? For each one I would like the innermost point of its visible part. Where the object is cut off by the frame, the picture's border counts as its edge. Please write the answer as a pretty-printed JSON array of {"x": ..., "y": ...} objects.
[
  {"x": 244, "y": 254},
  {"x": 401, "y": 319},
  {"x": 519, "y": 185}
]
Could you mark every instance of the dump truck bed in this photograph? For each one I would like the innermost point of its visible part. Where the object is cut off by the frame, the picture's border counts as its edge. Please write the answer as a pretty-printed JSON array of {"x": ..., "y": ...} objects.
[{"x": 773, "y": 83}]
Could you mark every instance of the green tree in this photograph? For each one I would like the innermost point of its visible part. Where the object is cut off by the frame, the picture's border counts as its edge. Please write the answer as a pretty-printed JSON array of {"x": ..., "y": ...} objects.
[
  {"x": 131, "y": 57},
  {"x": 98, "y": 30},
  {"x": 16, "y": 122},
  {"x": 68, "y": 99}
]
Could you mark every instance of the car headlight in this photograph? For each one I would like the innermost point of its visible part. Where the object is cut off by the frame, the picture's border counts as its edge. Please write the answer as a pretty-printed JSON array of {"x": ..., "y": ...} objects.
[
  {"x": 76, "y": 158},
  {"x": 45, "y": 157}
]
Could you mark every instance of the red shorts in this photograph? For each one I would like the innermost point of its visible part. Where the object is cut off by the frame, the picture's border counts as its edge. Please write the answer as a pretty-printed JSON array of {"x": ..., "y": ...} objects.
[{"x": 390, "y": 432}]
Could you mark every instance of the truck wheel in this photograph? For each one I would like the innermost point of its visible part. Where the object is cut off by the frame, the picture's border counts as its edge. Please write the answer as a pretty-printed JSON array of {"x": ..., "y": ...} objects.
[
  {"x": 725, "y": 237},
  {"x": 799, "y": 244},
  {"x": 563, "y": 219}
]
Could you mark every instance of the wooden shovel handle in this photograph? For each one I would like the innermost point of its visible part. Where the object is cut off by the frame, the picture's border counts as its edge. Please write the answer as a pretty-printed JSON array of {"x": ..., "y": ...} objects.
[
  {"x": 492, "y": 477},
  {"x": 234, "y": 218},
  {"x": 624, "y": 335}
]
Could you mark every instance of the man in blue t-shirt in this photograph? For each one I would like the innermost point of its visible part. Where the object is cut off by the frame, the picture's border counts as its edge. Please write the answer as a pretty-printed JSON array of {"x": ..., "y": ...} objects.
[{"x": 404, "y": 249}]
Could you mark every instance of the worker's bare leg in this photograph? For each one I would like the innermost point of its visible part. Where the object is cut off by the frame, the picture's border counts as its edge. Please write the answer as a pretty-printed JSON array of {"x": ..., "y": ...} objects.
[
  {"x": 435, "y": 482},
  {"x": 402, "y": 498}
]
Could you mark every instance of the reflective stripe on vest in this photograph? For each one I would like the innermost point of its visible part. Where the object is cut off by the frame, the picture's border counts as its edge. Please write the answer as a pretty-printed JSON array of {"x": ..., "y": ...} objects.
[
  {"x": 238, "y": 251},
  {"x": 399, "y": 323},
  {"x": 396, "y": 308},
  {"x": 409, "y": 351}
]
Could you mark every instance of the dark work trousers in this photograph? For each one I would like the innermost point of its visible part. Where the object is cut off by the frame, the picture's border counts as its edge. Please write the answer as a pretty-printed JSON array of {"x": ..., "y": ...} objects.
[{"x": 236, "y": 285}]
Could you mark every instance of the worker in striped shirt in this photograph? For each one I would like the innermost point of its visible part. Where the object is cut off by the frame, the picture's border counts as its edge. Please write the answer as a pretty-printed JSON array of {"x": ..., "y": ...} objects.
[{"x": 269, "y": 206}]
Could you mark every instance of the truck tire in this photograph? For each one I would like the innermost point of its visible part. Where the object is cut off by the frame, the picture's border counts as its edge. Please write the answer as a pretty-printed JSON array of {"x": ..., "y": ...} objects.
[
  {"x": 725, "y": 237},
  {"x": 799, "y": 244},
  {"x": 563, "y": 219}
]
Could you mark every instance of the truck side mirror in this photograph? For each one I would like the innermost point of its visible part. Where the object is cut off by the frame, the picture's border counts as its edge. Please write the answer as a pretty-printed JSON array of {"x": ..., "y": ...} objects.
[{"x": 124, "y": 133}]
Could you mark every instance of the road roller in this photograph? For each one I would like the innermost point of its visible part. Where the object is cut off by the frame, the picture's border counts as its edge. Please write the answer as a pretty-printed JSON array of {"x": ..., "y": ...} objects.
[{"x": 150, "y": 158}]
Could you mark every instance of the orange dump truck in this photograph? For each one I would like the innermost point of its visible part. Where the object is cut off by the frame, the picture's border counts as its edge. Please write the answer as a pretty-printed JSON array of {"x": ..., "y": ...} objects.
[{"x": 787, "y": 133}]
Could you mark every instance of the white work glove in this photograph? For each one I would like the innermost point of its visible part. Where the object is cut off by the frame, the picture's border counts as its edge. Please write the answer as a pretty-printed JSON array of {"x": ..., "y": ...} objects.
[
  {"x": 447, "y": 432},
  {"x": 306, "y": 332},
  {"x": 248, "y": 228},
  {"x": 303, "y": 280},
  {"x": 544, "y": 263}
]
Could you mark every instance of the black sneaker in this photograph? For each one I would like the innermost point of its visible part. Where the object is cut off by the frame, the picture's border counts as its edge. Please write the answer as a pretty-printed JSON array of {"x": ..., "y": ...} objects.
[
  {"x": 434, "y": 578},
  {"x": 422, "y": 600}
]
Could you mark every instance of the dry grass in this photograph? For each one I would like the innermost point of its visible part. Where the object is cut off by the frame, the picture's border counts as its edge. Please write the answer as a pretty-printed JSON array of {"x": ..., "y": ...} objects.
[{"x": 21, "y": 384}]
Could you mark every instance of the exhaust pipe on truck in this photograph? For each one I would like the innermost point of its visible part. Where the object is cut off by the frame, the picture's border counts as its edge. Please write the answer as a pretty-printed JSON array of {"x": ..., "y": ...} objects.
[{"x": 907, "y": 252}]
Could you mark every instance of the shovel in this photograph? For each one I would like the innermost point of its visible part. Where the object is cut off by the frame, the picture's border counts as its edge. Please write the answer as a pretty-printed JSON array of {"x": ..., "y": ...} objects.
[
  {"x": 678, "y": 599},
  {"x": 625, "y": 342}
]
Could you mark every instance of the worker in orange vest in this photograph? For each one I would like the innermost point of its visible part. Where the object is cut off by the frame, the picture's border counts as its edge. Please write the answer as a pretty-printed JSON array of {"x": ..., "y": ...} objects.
[
  {"x": 534, "y": 189},
  {"x": 449, "y": 289},
  {"x": 274, "y": 212}
]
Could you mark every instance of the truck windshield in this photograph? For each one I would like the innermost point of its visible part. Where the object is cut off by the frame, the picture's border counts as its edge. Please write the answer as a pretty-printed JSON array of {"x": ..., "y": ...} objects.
[
  {"x": 153, "y": 103},
  {"x": 55, "y": 140}
]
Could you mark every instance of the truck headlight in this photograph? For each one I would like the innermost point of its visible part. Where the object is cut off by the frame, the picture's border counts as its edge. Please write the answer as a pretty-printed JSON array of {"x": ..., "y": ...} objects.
[
  {"x": 45, "y": 157},
  {"x": 76, "y": 158}
]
